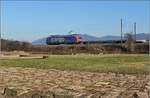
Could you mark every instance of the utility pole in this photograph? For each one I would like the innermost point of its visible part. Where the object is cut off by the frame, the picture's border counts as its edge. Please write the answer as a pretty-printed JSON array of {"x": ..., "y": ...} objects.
[
  {"x": 121, "y": 32},
  {"x": 134, "y": 38},
  {"x": 135, "y": 31}
]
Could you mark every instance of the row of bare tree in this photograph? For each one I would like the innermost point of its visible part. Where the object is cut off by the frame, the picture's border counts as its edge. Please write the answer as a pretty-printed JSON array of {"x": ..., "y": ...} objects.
[
  {"x": 10, "y": 45},
  {"x": 128, "y": 47}
]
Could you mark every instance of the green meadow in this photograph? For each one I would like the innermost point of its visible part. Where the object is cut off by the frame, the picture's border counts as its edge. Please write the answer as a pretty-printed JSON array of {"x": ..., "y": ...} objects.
[{"x": 118, "y": 63}]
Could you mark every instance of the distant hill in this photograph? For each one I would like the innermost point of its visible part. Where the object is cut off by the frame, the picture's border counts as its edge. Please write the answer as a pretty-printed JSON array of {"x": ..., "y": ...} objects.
[
  {"x": 86, "y": 37},
  {"x": 41, "y": 41},
  {"x": 109, "y": 37},
  {"x": 142, "y": 36}
]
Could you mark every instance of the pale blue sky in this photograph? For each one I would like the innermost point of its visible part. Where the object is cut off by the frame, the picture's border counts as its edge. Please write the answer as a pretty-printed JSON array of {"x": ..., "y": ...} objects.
[{"x": 30, "y": 20}]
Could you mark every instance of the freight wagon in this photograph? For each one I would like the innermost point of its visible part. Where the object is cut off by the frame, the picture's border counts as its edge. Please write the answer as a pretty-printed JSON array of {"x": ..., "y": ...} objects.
[{"x": 63, "y": 39}]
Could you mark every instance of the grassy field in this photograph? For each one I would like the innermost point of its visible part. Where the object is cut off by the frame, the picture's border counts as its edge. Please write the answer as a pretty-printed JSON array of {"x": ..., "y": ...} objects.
[{"x": 119, "y": 63}]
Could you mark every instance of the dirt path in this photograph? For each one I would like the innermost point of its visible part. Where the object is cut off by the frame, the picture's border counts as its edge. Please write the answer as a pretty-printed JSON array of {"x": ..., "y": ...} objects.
[{"x": 74, "y": 83}]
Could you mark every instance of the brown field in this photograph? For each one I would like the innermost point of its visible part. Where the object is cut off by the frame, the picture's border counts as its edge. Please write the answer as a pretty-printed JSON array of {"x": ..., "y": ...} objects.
[
  {"x": 72, "y": 84},
  {"x": 74, "y": 76}
]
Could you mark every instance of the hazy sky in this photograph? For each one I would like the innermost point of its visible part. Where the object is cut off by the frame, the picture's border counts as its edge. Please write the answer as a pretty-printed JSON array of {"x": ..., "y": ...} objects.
[{"x": 30, "y": 20}]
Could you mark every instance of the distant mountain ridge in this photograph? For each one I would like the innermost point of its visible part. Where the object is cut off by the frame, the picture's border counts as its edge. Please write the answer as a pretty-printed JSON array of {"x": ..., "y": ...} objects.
[
  {"x": 86, "y": 37},
  {"x": 142, "y": 36},
  {"x": 41, "y": 41}
]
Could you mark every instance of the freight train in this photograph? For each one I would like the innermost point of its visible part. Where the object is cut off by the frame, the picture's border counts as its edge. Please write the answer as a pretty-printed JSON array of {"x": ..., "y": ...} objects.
[{"x": 63, "y": 39}]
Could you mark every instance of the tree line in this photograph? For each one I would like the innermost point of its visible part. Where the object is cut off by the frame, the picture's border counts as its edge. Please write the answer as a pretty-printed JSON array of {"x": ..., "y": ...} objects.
[
  {"x": 128, "y": 47},
  {"x": 11, "y": 45}
]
